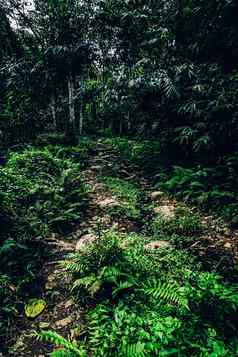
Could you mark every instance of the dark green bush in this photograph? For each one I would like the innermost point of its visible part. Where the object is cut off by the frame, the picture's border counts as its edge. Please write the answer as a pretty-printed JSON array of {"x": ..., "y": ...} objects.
[
  {"x": 143, "y": 153},
  {"x": 44, "y": 190},
  {"x": 214, "y": 189},
  {"x": 39, "y": 193}
]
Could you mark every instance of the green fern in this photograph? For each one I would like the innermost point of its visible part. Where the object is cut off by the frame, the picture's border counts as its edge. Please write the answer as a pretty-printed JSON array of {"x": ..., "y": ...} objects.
[
  {"x": 73, "y": 264},
  {"x": 135, "y": 350},
  {"x": 121, "y": 286},
  {"x": 90, "y": 283},
  {"x": 93, "y": 283},
  {"x": 61, "y": 353},
  {"x": 170, "y": 292},
  {"x": 111, "y": 274},
  {"x": 57, "y": 340}
]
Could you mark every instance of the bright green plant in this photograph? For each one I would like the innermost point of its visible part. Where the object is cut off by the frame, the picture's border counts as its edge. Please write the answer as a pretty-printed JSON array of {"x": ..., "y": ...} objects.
[
  {"x": 66, "y": 348},
  {"x": 151, "y": 303}
]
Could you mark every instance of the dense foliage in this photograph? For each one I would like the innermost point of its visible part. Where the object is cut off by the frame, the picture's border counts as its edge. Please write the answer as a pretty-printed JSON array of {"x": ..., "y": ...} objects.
[
  {"x": 149, "y": 302},
  {"x": 41, "y": 191},
  {"x": 156, "y": 81}
]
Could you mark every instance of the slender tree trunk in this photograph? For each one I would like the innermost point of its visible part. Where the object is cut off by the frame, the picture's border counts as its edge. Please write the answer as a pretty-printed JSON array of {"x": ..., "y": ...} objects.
[
  {"x": 81, "y": 116},
  {"x": 94, "y": 111},
  {"x": 71, "y": 104},
  {"x": 111, "y": 125},
  {"x": 53, "y": 110},
  {"x": 128, "y": 122},
  {"x": 120, "y": 126}
]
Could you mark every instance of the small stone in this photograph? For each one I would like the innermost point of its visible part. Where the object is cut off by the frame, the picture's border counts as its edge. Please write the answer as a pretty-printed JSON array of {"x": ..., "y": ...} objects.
[
  {"x": 158, "y": 245},
  {"x": 228, "y": 245},
  {"x": 64, "y": 246},
  {"x": 106, "y": 219},
  {"x": 156, "y": 195},
  {"x": 166, "y": 211},
  {"x": 63, "y": 323},
  {"x": 108, "y": 202},
  {"x": 63, "y": 305},
  {"x": 68, "y": 303},
  {"x": 98, "y": 187},
  {"x": 84, "y": 241}
]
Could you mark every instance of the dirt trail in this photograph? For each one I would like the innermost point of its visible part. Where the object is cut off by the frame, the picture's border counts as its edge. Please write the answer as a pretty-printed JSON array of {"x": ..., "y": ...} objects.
[{"x": 61, "y": 314}]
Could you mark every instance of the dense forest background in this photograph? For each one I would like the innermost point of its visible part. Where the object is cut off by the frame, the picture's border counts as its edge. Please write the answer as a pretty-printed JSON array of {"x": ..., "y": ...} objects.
[
  {"x": 155, "y": 85},
  {"x": 162, "y": 69}
]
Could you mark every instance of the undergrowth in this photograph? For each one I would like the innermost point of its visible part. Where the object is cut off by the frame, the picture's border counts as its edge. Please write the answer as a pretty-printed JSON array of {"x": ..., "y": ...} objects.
[
  {"x": 41, "y": 190},
  {"x": 141, "y": 153},
  {"x": 181, "y": 229},
  {"x": 214, "y": 189},
  {"x": 149, "y": 303},
  {"x": 127, "y": 195}
]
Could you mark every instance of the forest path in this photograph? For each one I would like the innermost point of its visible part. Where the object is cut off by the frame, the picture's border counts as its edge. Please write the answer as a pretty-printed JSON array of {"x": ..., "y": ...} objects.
[{"x": 61, "y": 313}]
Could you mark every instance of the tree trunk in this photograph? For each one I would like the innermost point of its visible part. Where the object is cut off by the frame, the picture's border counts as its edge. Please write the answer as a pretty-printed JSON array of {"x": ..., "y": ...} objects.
[
  {"x": 71, "y": 104},
  {"x": 53, "y": 110},
  {"x": 94, "y": 111},
  {"x": 81, "y": 117},
  {"x": 128, "y": 123},
  {"x": 121, "y": 125}
]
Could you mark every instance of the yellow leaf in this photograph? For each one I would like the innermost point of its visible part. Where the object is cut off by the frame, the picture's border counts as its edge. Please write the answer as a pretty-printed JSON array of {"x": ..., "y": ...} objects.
[{"x": 34, "y": 307}]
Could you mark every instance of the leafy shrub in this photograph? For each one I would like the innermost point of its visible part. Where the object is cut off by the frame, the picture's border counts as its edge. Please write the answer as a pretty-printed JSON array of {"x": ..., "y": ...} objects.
[
  {"x": 7, "y": 302},
  {"x": 211, "y": 188},
  {"x": 67, "y": 348},
  {"x": 151, "y": 303},
  {"x": 39, "y": 192},
  {"x": 45, "y": 190},
  {"x": 121, "y": 146},
  {"x": 147, "y": 155},
  {"x": 78, "y": 153}
]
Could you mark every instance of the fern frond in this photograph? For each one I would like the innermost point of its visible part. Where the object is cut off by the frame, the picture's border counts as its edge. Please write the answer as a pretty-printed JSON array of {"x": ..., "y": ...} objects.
[
  {"x": 170, "y": 292},
  {"x": 85, "y": 282},
  {"x": 135, "y": 350},
  {"x": 110, "y": 273},
  {"x": 61, "y": 353},
  {"x": 74, "y": 265},
  {"x": 122, "y": 286},
  {"x": 91, "y": 283},
  {"x": 57, "y": 340}
]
